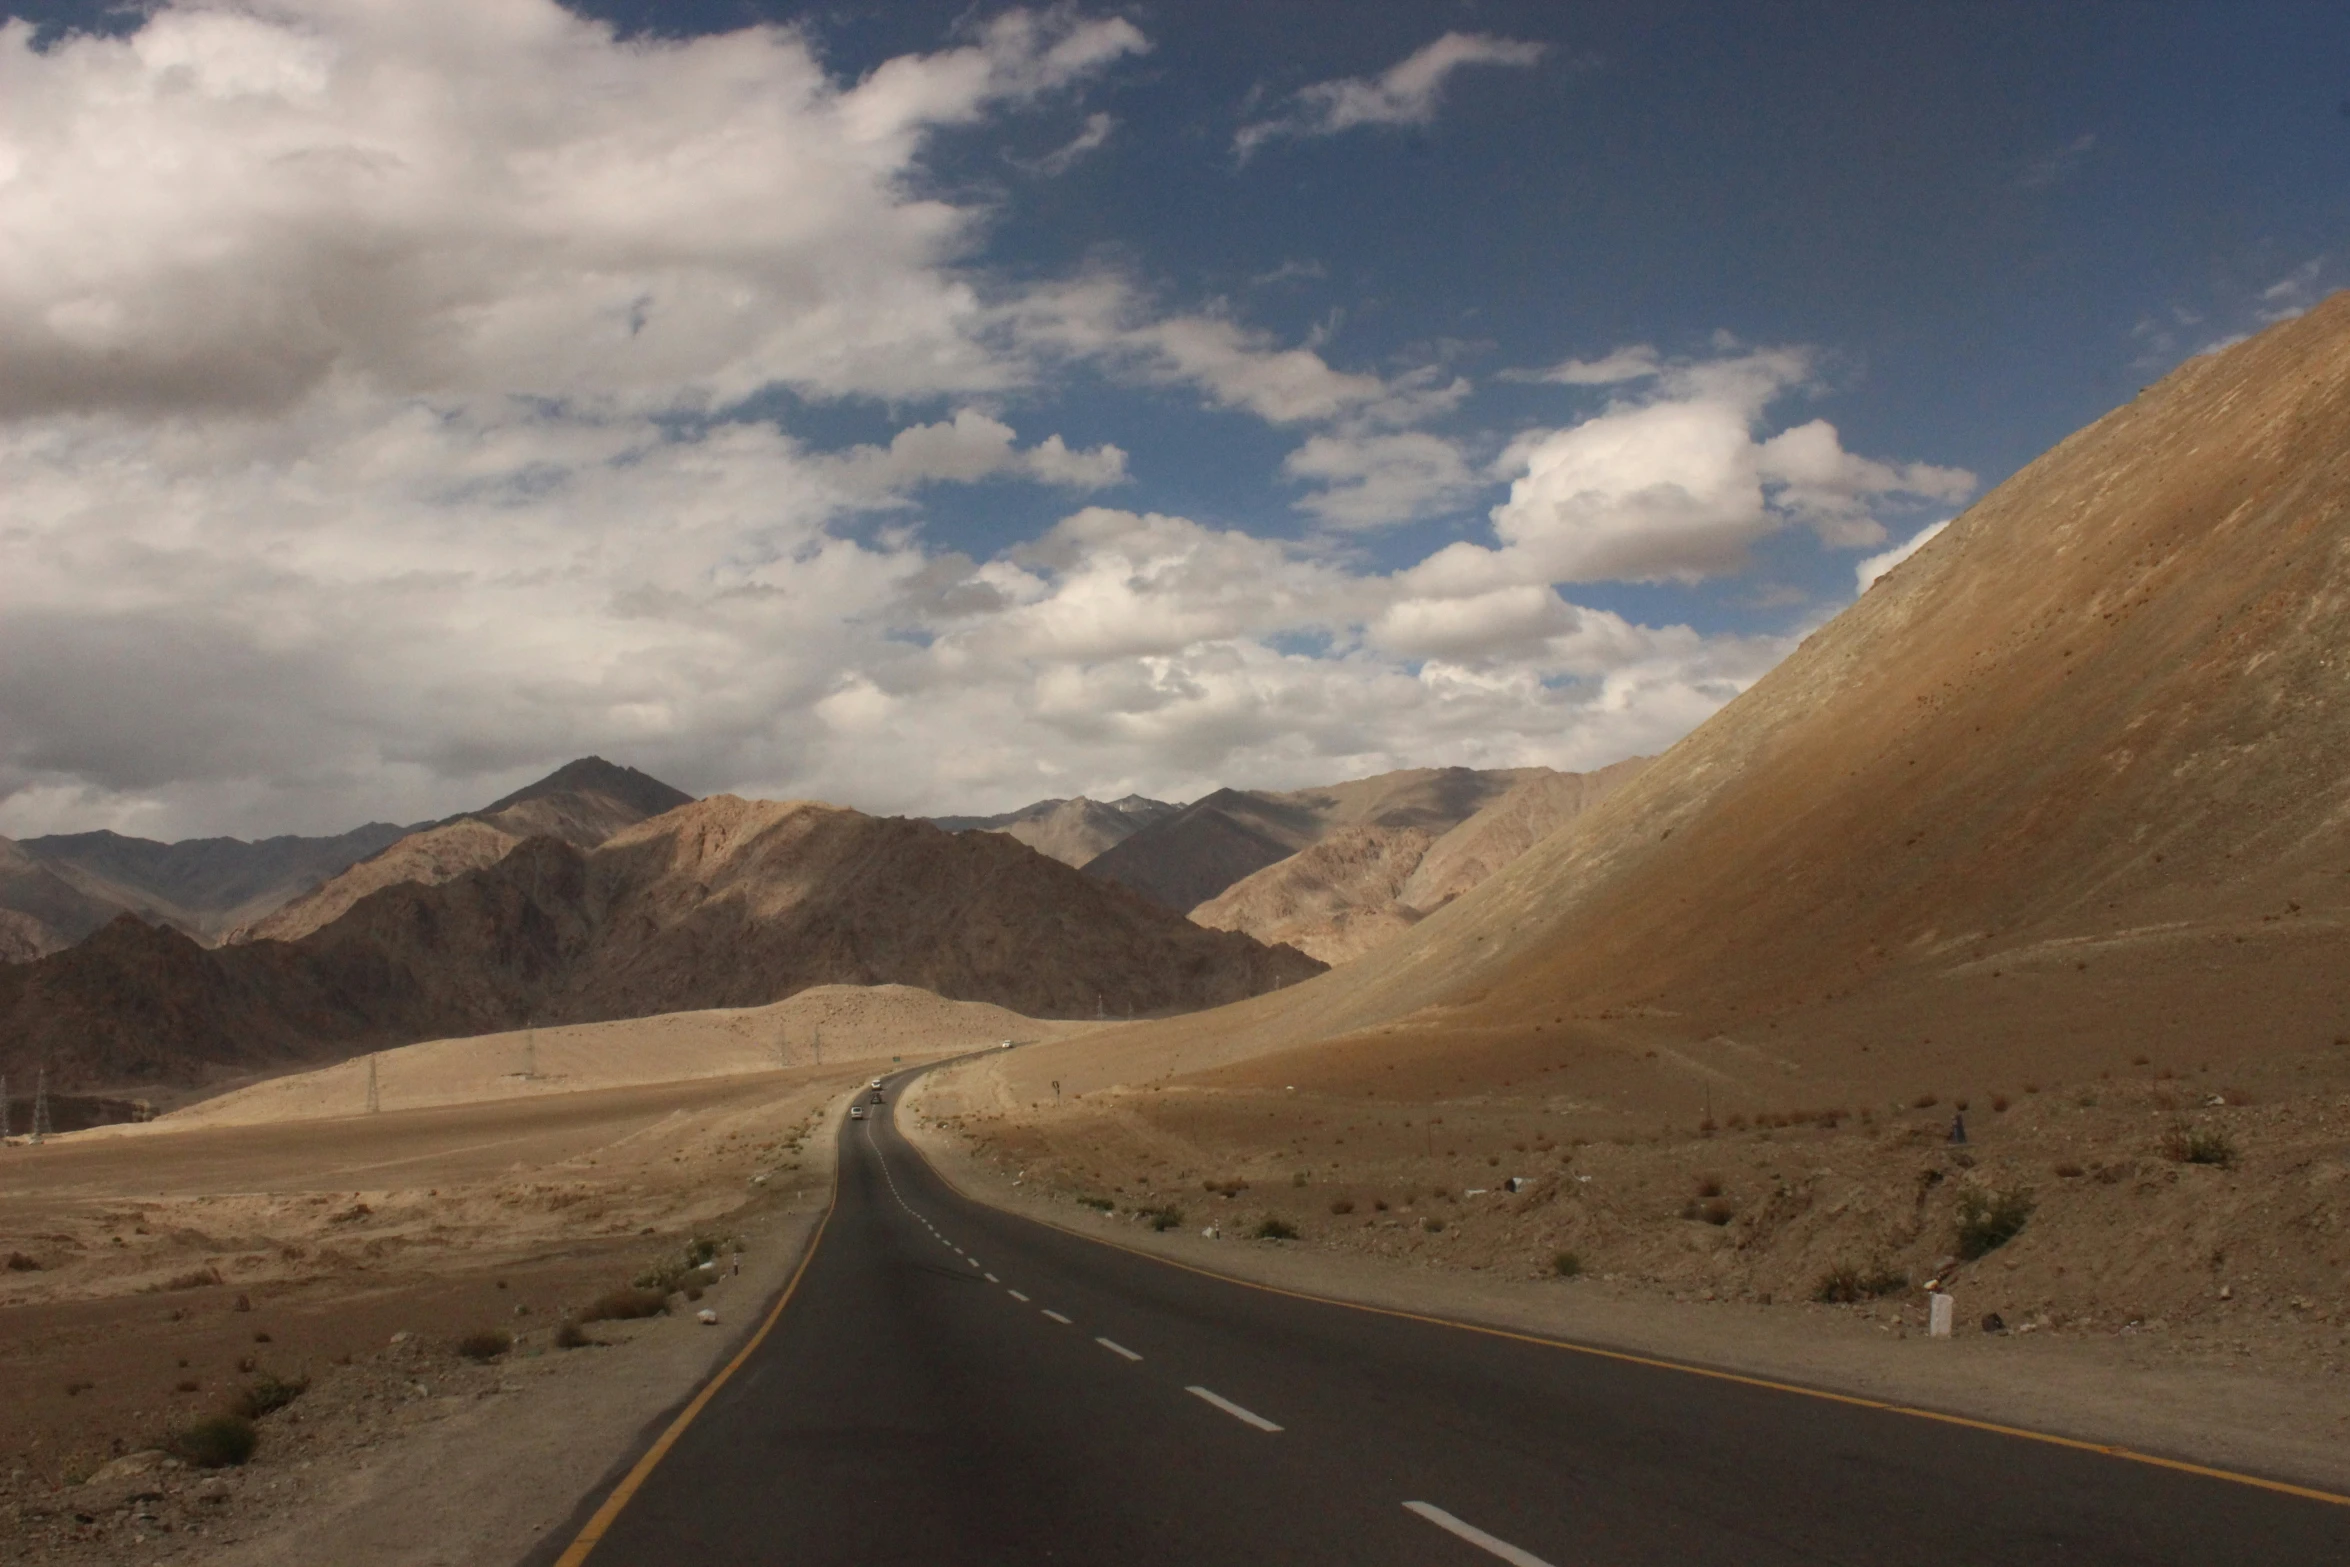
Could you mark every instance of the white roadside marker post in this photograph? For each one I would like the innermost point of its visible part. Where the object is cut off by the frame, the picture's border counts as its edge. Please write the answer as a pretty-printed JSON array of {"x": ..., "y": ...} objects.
[{"x": 1938, "y": 1315}]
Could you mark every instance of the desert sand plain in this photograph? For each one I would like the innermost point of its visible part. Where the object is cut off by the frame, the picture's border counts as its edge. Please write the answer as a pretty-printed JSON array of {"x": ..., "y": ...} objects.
[{"x": 155, "y": 1271}]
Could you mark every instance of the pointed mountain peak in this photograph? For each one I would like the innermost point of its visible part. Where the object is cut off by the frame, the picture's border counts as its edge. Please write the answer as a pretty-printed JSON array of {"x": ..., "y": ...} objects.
[{"x": 593, "y": 775}]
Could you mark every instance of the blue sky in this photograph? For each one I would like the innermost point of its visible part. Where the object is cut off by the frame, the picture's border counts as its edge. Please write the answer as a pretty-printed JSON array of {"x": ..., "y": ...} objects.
[{"x": 1278, "y": 393}]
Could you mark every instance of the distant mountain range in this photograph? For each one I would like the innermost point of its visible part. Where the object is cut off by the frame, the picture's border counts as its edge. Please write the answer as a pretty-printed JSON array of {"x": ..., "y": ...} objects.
[
  {"x": 1074, "y": 832},
  {"x": 56, "y": 890},
  {"x": 719, "y": 902}
]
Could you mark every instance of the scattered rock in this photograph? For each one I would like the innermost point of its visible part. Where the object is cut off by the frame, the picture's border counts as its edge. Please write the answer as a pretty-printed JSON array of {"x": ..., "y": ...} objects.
[{"x": 706, "y": 1317}]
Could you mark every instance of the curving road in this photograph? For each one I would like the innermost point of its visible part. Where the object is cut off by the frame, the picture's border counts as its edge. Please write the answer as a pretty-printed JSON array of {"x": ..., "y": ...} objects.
[{"x": 953, "y": 1384}]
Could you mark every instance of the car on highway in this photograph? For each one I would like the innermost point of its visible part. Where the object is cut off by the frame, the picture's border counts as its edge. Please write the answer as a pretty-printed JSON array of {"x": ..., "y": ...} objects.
[
  {"x": 856, "y": 1112},
  {"x": 876, "y": 1083}
]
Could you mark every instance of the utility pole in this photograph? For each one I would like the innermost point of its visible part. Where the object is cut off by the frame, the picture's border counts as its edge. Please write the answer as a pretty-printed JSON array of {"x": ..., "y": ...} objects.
[
  {"x": 530, "y": 1054},
  {"x": 374, "y": 1101},
  {"x": 819, "y": 1041},
  {"x": 41, "y": 1104},
  {"x": 3, "y": 1108}
]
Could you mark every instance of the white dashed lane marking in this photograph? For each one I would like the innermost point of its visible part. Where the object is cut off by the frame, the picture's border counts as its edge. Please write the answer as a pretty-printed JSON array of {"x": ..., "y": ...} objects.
[
  {"x": 1057, "y": 1317},
  {"x": 991, "y": 1278},
  {"x": 1016, "y": 1295},
  {"x": 1474, "y": 1535},
  {"x": 1117, "y": 1349},
  {"x": 1246, "y": 1417}
]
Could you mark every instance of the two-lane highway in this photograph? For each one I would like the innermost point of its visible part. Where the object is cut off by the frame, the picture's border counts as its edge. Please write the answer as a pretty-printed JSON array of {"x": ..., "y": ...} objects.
[{"x": 952, "y": 1384}]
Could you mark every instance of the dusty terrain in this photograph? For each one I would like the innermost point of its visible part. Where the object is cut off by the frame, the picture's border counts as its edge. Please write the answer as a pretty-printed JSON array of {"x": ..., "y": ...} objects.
[{"x": 155, "y": 1272}]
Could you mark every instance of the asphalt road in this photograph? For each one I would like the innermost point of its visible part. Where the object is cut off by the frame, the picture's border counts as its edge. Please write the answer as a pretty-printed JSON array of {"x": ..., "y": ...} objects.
[{"x": 952, "y": 1384}]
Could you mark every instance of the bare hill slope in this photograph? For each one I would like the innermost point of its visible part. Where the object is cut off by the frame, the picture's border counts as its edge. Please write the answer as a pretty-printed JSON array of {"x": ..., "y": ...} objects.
[
  {"x": 1183, "y": 860},
  {"x": 1350, "y": 892},
  {"x": 1334, "y": 900},
  {"x": 2068, "y": 788}
]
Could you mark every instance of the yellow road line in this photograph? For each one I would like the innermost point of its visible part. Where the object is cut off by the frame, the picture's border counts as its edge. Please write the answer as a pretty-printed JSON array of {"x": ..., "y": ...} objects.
[
  {"x": 586, "y": 1540},
  {"x": 2127, "y": 1454}
]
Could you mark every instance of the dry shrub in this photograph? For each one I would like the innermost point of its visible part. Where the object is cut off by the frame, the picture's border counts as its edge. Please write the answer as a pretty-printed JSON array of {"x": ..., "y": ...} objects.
[
  {"x": 18, "y": 1262},
  {"x": 1989, "y": 1220},
  {"x": 625, "y": 1305},
  {"x": 1717, "y": 1212},
  {"x": 1274, "y": 1228},
  {"x": 569, "y": 1336},
  {"x": 485, "y": 1344},
  {"x": 1566, "y": 1264},
  {"x": 1845, "y": 1284},
  {"x": 1342, "y": 1206},
  {"x": 266, "y": 1394},
  {"x": 2199, "y": 1145},
  {"x": 220, "y": 1442},
  {"x": 1925, "y": 1101},
  {"x": 2069, "y": 1170}
]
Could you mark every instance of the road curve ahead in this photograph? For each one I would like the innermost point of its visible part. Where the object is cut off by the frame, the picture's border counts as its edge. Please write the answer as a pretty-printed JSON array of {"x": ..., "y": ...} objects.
[{"x": 952, "y": 1384}]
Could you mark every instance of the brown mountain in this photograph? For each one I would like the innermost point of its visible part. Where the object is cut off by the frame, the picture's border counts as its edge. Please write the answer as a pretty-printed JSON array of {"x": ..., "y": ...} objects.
[
  {"x": 1183, "y": 860},
  {"x": 1071, "y": 831},
  {"x": 582, "y": 803},
  {"x": 2064, "y": 792},
  {"x": 1354, "y": 889},
  {"x": 722, "y": 902}
]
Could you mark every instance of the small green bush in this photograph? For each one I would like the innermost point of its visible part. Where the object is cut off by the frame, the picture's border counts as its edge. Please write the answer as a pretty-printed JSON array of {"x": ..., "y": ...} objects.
[
  {"x": 1845, "y": 1284},
  {"x": 1566, "y": 1264},
  {"x": 1989, "y": 1220},
  {"x": 487, "y": 1344},
  {"x": 1164, "y": 1217},
  {"x": 267, "y": 1393},
  {"x": 1271, "y": 1228},
  {"x": 220, "y": 1442}
]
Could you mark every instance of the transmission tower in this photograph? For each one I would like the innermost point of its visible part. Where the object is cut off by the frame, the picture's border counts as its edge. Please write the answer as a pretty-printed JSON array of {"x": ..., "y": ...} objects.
[
  {"x": 374, "y": 1100},
  {"x": 40, "y": 1104}
]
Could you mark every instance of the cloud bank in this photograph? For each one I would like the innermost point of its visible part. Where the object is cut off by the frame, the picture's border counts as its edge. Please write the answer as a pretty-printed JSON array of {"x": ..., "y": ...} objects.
[{"x": 371, "y": 439}]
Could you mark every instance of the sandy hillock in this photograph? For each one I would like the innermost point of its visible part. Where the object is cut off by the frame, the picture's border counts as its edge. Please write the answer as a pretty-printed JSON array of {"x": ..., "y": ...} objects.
[
  {"x": 1183, "y": 860},
  {"x": 1072, "y": 831},
  {"x": 826, "y": 1025}
]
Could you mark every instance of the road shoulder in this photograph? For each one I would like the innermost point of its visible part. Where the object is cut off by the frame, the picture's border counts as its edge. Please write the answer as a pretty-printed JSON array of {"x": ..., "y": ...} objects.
[{"x": 2296, "y": 1431}]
